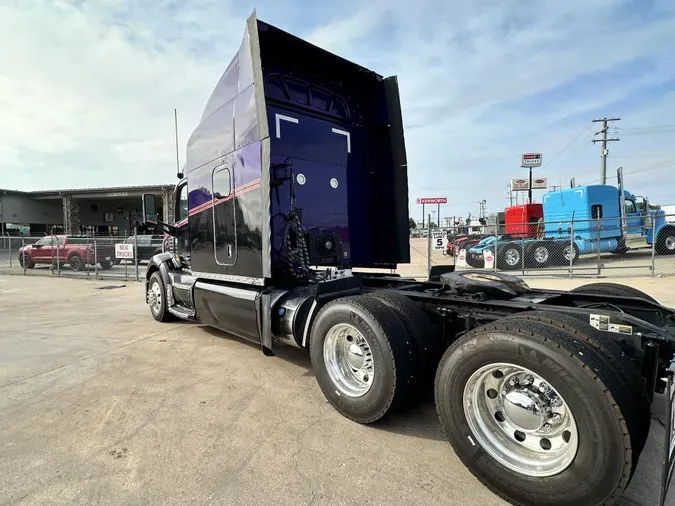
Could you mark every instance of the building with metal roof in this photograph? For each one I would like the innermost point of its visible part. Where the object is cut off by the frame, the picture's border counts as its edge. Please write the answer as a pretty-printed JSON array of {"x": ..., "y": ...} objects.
[{"x": 93, "y": 211}]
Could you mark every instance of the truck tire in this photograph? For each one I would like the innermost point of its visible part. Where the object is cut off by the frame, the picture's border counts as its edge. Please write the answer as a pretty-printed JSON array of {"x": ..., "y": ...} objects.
[
  {"x": 106, "y": 264},
  {"x": 157, "y": 299},
  {"x": 469, "y": 259},
  {"x": 665, "y": 242},
  {"x": 613, "y": 290},
  {"x": 427, "y": 346},
  {"x": 363, "y": 358},
  {"x": 76, "y": 263},
  {"x": 509, "y": 256},
  {"x": 638, "y": 416},
  {"x": 495, "y": 387},
  {"x": 538, "y": 254},
  {"x": 569, "y": 252}
]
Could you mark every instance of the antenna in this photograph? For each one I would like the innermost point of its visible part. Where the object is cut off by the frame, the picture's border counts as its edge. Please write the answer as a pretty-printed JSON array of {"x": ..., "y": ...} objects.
[{"x": 175, "y": 118}]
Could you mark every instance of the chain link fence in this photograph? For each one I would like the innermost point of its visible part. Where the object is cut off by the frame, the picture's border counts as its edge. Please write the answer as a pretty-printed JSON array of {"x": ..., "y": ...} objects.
[
  {"x": 79, "y": 256},
  {"x": 603, "y": 247},
  {"x": 635, "y": 246}
]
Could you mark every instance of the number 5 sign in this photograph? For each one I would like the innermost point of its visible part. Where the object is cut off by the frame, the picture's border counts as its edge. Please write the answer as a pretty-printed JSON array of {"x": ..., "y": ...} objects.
[{"x": 439, "y": 243}]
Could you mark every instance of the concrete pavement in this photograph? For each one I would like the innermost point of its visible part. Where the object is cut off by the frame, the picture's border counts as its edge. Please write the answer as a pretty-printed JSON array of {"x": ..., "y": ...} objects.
[{"x": 99, "y": 404}]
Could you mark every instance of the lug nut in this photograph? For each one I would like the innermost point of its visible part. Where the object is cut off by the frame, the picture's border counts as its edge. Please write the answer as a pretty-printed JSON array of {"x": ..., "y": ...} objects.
[
  {"x": 546, "y": 427},
  {"x": 556, "y": 402},
  {"x": 505, "y": 391},
  {"x": 544, "y": 388},
  {"x": 556, "y": 417},
  {"x": 513, "y": 381},
  {"x": 528, "y": 379}
]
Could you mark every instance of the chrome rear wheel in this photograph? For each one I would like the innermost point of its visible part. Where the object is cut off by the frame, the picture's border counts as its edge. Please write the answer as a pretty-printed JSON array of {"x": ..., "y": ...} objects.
[
  {"x": 349, "y": 360},
  {"x": 520, "y": 420}
]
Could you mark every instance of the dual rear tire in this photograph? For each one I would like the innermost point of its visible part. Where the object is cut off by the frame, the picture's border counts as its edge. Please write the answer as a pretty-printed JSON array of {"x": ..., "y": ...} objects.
[
  {"x": 536, "y": 411},
  {"x": 541, "y": 407},
  {"x": 363, "y": 357}
]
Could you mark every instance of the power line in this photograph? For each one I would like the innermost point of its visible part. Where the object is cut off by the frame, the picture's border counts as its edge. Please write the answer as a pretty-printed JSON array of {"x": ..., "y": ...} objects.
[
  {"x": 574, "y": 139},
  {"x": 657, "y": 166}
]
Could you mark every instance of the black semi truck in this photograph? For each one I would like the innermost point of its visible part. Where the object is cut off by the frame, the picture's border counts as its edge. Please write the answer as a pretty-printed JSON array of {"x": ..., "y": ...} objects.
[{"x": 296, "y": 178}]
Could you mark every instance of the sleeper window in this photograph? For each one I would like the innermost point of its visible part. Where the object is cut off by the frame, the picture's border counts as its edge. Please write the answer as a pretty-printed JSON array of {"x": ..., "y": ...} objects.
[{"x": 224, "y": 212}]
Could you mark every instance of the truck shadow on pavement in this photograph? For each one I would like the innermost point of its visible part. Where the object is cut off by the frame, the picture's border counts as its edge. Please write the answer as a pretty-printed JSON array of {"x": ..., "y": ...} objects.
[{"x": 419, "y": 420}]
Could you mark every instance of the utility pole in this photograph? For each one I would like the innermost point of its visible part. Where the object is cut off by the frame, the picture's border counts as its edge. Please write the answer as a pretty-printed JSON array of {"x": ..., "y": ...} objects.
[{"x": 605, "y": 151}]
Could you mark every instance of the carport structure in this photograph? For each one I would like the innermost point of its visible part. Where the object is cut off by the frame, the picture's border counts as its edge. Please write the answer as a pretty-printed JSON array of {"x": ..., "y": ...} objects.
[{"x": 88, "y": 210}]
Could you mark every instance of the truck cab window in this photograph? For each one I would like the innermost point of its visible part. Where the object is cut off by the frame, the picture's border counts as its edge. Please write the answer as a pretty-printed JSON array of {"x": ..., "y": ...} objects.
[
  {"x": 224, "y": 224},
  {"x": 630, "y": 208},
  {"x": 641, "y": 204},
  {"x": 182, "y": 203},
  {"x": 221, "y": 183}
]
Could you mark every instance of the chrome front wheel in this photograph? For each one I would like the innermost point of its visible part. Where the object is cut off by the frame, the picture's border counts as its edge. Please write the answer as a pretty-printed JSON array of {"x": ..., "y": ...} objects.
[
  {"x": 155, "y": 297},
  {"x": 520, "y": 420}
]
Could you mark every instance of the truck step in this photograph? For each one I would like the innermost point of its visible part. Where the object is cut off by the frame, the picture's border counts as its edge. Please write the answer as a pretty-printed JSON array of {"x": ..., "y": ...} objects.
[{"x": 182, "y": 311}]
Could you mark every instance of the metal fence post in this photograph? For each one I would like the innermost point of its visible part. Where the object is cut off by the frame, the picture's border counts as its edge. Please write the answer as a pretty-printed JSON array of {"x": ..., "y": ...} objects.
[
  {"x": 136, "y": 251},
  {"x": 88, "y": 254},
  {"x": 598, "y": 258},
  {"x": 58, "y": 260},
  {"x": 95, "y": 259},
  {"x": 10, "y": 250},
  {"x": 572, "y": 248},
  {"x": 51, "y": 253},
  {"x": 428, "y": 249},
  {"x": 653, "y": 246},
  {"x": 494, "y": 265},
  {"x": 522, "y": 246}
]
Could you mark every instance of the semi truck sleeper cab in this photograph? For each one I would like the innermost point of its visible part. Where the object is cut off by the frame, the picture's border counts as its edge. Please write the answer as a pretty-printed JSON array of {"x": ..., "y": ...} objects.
[{"x": 295, "y": 180}]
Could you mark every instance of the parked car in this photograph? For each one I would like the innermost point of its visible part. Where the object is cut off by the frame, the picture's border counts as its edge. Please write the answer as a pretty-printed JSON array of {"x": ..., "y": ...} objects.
[
  {"x": 77, "y": 252},
  {"x": 148, "y": 246}
]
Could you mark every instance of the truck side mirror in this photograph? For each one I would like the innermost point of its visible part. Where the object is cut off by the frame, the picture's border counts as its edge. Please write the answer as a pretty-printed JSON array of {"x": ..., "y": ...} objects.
[{"x": 149, "y": 208}]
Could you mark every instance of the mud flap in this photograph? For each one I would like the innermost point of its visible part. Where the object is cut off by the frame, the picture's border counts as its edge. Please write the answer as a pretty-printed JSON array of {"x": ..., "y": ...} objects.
[
  {"x": 668, "y": 462},
  {"x": 266, "y": 324}
]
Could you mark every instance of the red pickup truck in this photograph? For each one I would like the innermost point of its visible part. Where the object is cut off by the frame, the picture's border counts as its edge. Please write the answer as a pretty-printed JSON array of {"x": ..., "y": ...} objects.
[{"x": 77, "y": 252}]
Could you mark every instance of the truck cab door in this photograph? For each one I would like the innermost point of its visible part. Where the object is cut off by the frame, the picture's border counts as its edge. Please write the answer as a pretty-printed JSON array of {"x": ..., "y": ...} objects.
[
  {"x": 181, "y": 222},
  {"x": 633, "y": 217},
  {"x": 42, "y": 250}
]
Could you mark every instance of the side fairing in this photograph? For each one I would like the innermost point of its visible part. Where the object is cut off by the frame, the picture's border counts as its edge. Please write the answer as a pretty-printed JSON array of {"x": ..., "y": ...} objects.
[{"x": 229, "y": 223}]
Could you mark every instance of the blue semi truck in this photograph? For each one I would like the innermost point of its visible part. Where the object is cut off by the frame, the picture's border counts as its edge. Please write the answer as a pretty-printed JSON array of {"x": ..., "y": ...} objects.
[{"x": 578, "y": 221}]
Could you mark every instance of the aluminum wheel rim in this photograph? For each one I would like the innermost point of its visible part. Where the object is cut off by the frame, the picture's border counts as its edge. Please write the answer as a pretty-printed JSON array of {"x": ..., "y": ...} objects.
[
  {"x": 349, "y": 360},
  {"x": 512, "y": 257},
  {"x": 541, "y": 254},
  {"x": 155, "y": 297},
  {"x": 75, "y": 263},
  {"x": 670, "y": 242},
  {"x": 520, "y": 420},
  {"x": 569, "y": 253}
]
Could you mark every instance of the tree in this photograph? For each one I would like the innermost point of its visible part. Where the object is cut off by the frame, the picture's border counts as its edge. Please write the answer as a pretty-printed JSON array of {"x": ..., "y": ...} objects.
[{"x": 411, "y": 224}]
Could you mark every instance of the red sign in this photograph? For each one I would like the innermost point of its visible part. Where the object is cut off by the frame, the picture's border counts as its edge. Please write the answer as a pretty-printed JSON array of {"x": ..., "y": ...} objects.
[{"x": 433, "y": 200}]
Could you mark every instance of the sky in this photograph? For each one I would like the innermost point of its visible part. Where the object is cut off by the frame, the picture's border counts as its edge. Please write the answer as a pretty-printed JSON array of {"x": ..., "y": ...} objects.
[{"x": 88, "y": 87}]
